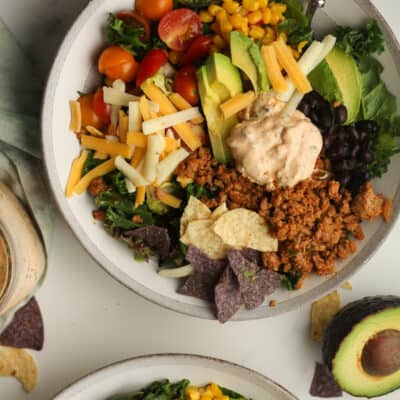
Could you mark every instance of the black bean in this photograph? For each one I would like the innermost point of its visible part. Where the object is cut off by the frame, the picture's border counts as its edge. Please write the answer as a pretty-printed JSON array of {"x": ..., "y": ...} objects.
[
  {"x": 358, "y": 178},
  {"x": 340, "y": 115},
  {"x": 368, "y": 157},
  {"x": 305, "y": 107},
  {"x": 370, "y": 127},
  {"x": 342, "y": 134},
  {"x": 346, "y": 165},
  {"x": 343, "y": 178},
  {"x": 314, "y": 117},
  {"x": 362, "y": 136},
  {"x": 353, "y": 134},
  {"x": 325, "y": 117},
  {"x": 354, "y": 151}
]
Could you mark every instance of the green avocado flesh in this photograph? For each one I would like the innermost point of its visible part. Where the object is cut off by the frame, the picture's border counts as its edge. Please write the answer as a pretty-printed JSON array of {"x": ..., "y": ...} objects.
[
  {"x": 351, "y": 332},
  {"x": 247, "y": 57},
  {"x": 223, "y": 77},
  {"x": 218, "y": 127},
  {"x": 337, "y": 79}
]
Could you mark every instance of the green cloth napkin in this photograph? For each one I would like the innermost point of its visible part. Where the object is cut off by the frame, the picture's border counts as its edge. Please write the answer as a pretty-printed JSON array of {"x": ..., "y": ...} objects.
[{"x": 20, "y": 165}]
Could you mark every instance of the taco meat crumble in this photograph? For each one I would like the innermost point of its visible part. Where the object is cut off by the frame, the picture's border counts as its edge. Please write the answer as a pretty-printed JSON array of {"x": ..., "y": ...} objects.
[{"x": 315, "y": 222}]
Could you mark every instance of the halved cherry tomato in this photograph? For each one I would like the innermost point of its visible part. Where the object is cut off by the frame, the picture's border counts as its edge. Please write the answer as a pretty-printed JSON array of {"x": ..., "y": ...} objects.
[
  {"x": 89, "y": 117},
  {"x": 198, "y": 49},
  {"x": 154, "y": 9},
  {"x": 179, "y": 27},
  {"x": 134, "y": 19},
  {"x": 185, "y": 83},
  {"x": 150, "y": 64},
  {"x": 102, "y": 109},
  {"x": 117, "y": 63}
]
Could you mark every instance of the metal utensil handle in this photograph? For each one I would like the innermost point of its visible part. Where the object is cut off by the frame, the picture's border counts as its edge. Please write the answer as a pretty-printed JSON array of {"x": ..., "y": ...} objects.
[{"x": 312, "y": 7}]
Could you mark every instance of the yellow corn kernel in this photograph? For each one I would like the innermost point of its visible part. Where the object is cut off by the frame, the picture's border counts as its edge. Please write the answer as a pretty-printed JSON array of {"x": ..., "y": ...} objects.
[
  {"x": 215, "y": 390},
  {"x": 255, "y": 17},
  {"x": 174, "y": 57},
  {"x": 231, "y": 6},
  {"x": 283, "y": 36},
  {"x": 219, "y": 42},
  {"x": 266, "y": 16},
  {"x": 243, "y": 12},
  {"x": 221, "y": 16},
  {"x": 256, "y": 32},
  {"x": 251, "y": 5},
  {"x": 213, "y": 9},
  {"x": 301, "y": 46},
  {"x": 244, "y": 28},
  {"x": 236, "y": 20},
  {"x": 269, "y": 36},
  {"x": 275, "y": 17},
  {"x": 263, "y": 3},
  {"x": 225, "y": 26},
  {"x": 205, "y": 17},
  {"x": 279, "y": 8},
  {"x": 222, "y": 397},
  {"x": 192, "y": 393}
]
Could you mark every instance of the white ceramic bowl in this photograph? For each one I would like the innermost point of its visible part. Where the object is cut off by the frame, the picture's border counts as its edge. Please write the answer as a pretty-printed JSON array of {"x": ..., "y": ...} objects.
[
  {"x": 75, "y": 69},
  {"x": 136, "y": 373}
]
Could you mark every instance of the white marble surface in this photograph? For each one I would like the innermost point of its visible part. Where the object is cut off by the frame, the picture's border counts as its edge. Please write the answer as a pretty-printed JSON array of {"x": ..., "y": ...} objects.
[{"x": 91, "y": 320}]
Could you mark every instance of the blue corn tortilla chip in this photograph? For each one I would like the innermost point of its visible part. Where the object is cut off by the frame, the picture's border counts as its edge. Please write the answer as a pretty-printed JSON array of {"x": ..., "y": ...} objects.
[
  {"x": 254, "y": 283},
  {"x": 156, "y": 238},
  {"x": 252, "y": 255},
  {"x": 202, "y": 282},
  {"x": 323, "y": 384},
  {"x": 26, "y": 330},
  {"x": 228, "y": 298}
]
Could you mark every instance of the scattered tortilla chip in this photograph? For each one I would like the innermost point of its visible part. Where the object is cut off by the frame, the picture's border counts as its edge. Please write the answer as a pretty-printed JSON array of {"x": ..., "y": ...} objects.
[
  {"x": 254, "y": 283},
  {"x": 200, "y": 234},
  {"x": 194, "y": 210},
  {"x": 19, "y": 364},
  {"x": 219, "y": 211},
  {"x": 205, "y": 276},
  {"x": 242, "y": 228},
  {"x": 26, "y": 329},
  {"x": 347, "y": 285},
  {"x": 323, "y": 383},
  {"x": 322, "y": 312},
  {"x": 156, "y": 238},
  {"x": 228, "y": 298}
]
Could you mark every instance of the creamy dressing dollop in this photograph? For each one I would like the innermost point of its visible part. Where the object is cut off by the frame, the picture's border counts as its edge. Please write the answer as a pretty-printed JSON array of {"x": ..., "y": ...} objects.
[{"x": 274, "y": 149}]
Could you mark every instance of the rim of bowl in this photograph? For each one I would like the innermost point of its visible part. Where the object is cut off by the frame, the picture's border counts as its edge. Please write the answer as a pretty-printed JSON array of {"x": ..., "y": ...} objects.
[
  {"x": 197, "y": 360},
  {"x": 393, "y": 46}
]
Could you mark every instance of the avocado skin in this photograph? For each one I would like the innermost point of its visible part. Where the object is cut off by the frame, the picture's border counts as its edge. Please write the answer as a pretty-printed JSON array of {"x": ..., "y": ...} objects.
[{"x": 349, "y": 316}]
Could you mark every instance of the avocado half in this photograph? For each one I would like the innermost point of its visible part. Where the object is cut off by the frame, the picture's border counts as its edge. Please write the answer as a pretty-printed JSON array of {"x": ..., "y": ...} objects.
[{"x": 365, "y": 331}]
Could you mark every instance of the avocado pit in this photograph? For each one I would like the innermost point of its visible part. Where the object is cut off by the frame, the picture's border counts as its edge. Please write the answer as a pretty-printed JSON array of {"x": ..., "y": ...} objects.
[{"x": 381, "y": 354}]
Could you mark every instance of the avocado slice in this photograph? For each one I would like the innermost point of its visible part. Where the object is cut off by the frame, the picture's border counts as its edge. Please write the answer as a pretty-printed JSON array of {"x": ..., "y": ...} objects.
[
  {"x": 223, "y": 77},
  {"x": 246, "y": 56},
  {"x": 337, "y": 79},
  {"x": 218, "y": 127},
  {"x": 355, "y": 337}
]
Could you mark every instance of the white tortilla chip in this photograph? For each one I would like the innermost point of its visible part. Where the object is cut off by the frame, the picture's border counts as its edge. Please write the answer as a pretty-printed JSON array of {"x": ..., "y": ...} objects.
[
  {"x": 19, "y": 364},
  {"x": 219, "y": 211},
  {"x": 194, "y": 210},
  {"x": 242, "y": 228},
  {"x": 199, "y": 233}
]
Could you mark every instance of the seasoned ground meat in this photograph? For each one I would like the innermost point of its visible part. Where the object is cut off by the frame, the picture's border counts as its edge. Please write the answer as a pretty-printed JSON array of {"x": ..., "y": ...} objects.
[
  {"x": 315, "y": 222},
  {"x": 369, "y": 205},
  {"x": 227, "y": 183},
  {"x": 97, "y": 186}
]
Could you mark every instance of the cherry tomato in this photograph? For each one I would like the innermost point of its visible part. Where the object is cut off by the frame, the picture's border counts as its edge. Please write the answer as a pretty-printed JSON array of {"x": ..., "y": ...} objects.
[
  {"x": 102, "y": 109},
  {"x": 150, "y": 64},
  {"x": 179, "y": 27},
  {"x": 198, "y": 49},
  {"x": 89, "y": 117},
  {"x": 134, "y": 20},
  {"x": 185, "y": 83},
  {"x": 154, "y": 9},
  {"x": 117, "y": 63}
]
